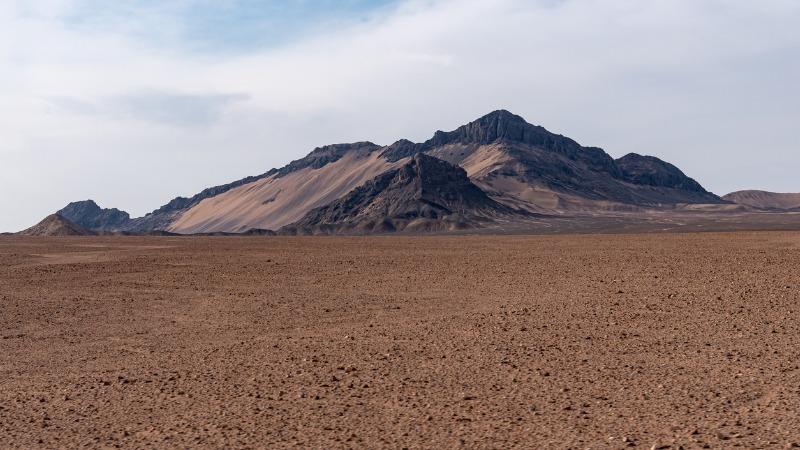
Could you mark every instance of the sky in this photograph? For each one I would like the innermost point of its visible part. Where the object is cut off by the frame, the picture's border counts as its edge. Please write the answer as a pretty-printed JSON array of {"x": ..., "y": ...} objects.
[{"x": 132, "y": 103}]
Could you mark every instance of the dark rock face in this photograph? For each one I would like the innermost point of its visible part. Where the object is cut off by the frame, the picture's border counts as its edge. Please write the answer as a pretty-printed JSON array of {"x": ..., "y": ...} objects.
[
  {"x": 504, "y": 126},
  {"x": 402, "y": 149},
  {"x": 56, "y": 225},
  {"x": 432, "y": 192},
  {"x": 151, "y": 222},
  {"x": 651, "y": 171},
  {"x": 87, "y": 214},
  {"x": 644, "y": 181}
]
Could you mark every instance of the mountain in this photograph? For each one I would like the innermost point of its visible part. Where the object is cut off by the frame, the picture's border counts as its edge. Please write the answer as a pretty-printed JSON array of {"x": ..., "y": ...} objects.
[
  {"x": 765, "y": 200},
  {"x": 521, "y": 167},
  {"x": 56, "y": 225},
  {"x": 87, "y": 214},
  {"x": 531, "y": 168},
  {"x": 425, "y": 194}
]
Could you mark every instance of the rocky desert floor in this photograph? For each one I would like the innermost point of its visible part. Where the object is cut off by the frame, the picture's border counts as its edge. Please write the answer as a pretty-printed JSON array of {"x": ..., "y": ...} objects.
[{"x": 572, "y": 341}]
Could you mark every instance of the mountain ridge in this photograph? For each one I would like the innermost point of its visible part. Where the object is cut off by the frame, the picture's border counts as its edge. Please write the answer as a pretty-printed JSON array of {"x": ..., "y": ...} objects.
[{"x": 523, "y": 167}]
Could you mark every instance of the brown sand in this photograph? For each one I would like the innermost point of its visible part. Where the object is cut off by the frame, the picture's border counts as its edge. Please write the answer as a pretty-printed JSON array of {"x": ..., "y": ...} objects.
[{"x": 596, "y": 341}]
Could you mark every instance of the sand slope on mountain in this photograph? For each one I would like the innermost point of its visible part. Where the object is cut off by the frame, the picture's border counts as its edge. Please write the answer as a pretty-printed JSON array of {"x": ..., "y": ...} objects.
[
  {"x": 426, "y": 194},
  {"x": 765, "y": 200},
  {"x": 279, "y": 200},
  {"x": 56, "y": 225}
]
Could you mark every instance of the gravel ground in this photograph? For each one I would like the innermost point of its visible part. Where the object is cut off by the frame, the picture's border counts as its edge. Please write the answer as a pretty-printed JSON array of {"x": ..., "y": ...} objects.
[{"x": 572, "y": 341}]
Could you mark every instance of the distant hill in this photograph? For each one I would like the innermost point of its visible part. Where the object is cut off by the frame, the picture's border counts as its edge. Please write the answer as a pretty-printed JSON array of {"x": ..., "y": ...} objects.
[
  {"x": 523, "y": 168},
  {"x": 765, "y": 200},
  {"x": 56, "y": 225}
]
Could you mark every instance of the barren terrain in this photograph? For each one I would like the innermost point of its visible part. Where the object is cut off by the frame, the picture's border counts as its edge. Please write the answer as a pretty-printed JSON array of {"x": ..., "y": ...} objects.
[{"x": 568, "y": 341}]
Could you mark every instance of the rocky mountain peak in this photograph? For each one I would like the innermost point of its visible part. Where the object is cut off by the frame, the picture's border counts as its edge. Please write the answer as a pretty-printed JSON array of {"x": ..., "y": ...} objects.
[
  {"x": 500, "y": 126},
  {"x": 503, "y": 125}
]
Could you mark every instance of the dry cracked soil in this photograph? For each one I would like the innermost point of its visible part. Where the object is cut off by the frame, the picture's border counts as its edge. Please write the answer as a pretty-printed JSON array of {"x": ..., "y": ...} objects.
[{"x": 573, "y": 341}]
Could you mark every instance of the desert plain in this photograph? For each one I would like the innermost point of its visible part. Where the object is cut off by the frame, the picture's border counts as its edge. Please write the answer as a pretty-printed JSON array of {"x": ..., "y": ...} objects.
[{"x": 660, "y": 340}]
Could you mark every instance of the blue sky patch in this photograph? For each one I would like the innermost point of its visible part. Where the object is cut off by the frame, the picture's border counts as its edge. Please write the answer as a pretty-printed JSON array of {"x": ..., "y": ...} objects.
[{"x": 222, "y": 26}]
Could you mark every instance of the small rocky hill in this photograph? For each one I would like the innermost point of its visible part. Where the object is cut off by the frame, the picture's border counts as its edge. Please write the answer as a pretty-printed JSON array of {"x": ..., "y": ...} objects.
[{"x": 56, "y": 225}]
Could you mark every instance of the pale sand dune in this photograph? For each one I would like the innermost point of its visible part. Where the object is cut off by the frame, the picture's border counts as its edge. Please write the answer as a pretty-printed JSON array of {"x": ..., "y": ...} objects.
[{"x": 273, "y": 202}]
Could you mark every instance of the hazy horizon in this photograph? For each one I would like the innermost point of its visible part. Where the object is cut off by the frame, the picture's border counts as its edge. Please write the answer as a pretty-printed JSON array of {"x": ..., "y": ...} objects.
[{"x": 135, "y": 103}]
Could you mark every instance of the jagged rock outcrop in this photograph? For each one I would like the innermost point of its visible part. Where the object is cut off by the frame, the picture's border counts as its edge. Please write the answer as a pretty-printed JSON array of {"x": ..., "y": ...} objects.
[
  {"x": 88, "y": 214},
  {"x": 56, "y": 225},
  {"x": 503, "y": 126},
  {"x": 651, "y": 171}
]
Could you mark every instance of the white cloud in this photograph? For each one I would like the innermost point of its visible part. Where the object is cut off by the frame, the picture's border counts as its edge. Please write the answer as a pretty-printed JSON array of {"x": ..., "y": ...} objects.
[{"x": 709, "y": 85}]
